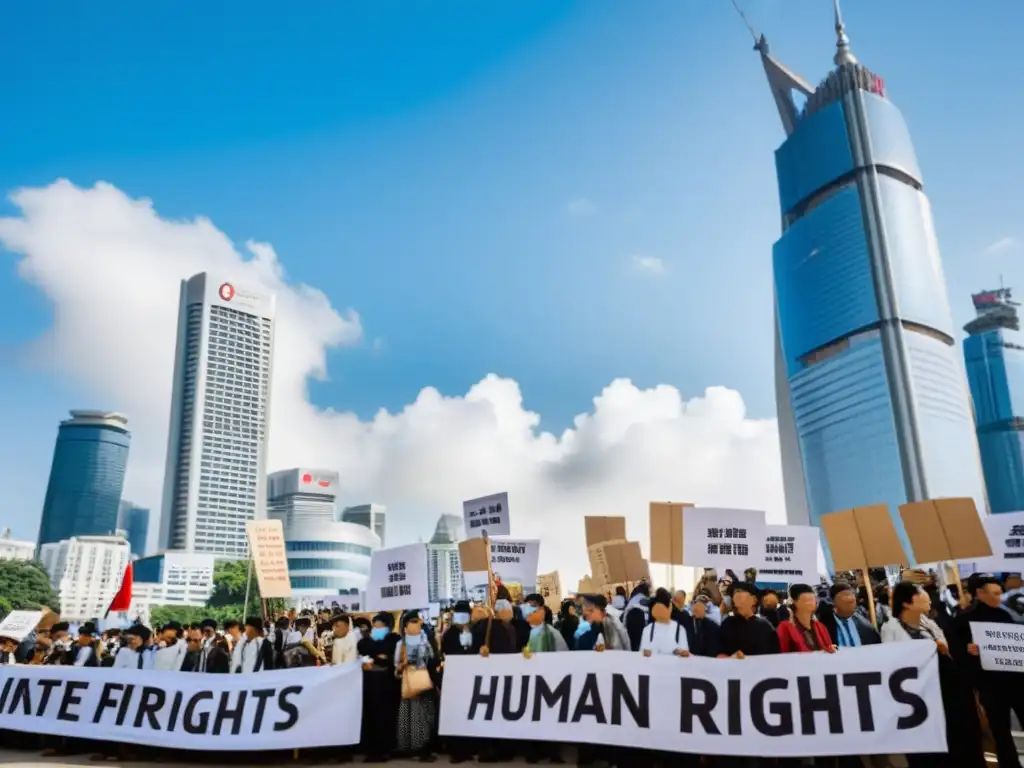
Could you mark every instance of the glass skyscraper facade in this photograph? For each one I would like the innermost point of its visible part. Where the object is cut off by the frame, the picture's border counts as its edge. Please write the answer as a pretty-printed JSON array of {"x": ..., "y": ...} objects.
[
  {"x": 134, "y": 521},
  {"x": 86, "y": 477},
  {"x": 994, "y": 356},
  {"x": 873, "y": 404}
]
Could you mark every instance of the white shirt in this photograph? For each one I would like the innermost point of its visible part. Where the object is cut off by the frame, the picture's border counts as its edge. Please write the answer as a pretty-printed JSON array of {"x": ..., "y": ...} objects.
[
  {"x": 169, "y": 659},
  {"x": 128, "y": 658},
  {"x": 344, "y": 649},
  {"x": 663, "y": 639},
  {"x": 83, "y": 655},
  {"x": 251, "y": 652},
  {"x": 236, "y": 654},
  {"x": 893, "y": 632}
]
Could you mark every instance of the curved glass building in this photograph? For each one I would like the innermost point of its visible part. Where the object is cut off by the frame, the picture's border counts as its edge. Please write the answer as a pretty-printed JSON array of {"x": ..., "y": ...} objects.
[
  {"x": 994, "y": 355},
  {"x": 329, "y": 557},
  {"x": 873, "y": 404},
  {"x": 86, "y": 478}
]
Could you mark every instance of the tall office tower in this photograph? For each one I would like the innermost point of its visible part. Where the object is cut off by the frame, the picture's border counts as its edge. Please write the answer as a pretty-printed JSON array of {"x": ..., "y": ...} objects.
[
  {"x": 994, "y": 354},
  {"x": 371, "y": 516},
  {"x": 86, "y": 477},
  {"x": 134, "y": 521},
  {"x": 215, "y": 480},
  {"x": 872, "y": 402},
  {"x": 86, "y": 571},
  {"x": 444, "y": 572},
  {"x": 302, "y": 494}
]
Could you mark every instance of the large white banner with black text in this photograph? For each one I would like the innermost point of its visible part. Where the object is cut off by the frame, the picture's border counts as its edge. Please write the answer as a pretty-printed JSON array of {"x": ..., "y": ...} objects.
[
  {"x": 285, "y": 709},
  {"x": 883, "y": 699}
]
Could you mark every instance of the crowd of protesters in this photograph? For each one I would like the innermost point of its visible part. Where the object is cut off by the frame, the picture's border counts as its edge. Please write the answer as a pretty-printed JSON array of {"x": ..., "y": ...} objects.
[{"x": 726, "y": 618}]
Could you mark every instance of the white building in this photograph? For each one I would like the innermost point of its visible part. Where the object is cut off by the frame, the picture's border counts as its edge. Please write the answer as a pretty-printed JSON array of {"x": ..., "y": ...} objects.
[
  {"x": 171, "y": 578},
  {"x": 15, "y": 549},
  {"x": 371, "y": 516},
  {"x": 444, "y": 571},
  {"x": 216, "y": 449},
  {"x": 86, "y": 571},
  {"x": 302, "y": 494},
  {"x": 328, "y": 558}
]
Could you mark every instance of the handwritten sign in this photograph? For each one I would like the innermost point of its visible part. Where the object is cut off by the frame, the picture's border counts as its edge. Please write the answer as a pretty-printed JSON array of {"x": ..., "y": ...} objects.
[
  {"x": 398, "y": 579},
  {"x": 269, "y": 558},
  {"x": 1000, "y": 646},
  {"x": 486, "y": 516}
]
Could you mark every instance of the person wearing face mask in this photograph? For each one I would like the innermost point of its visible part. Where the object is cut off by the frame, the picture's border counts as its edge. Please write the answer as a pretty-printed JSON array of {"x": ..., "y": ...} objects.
[
  {"x": 706, "y": 639},
  {"x": 381, "y": 689},
  {"x": 544, "y": 638},
  {"x": 502, "y": 634},
  {"x": 598, "y": 631},
  {"x": 771, "y": 610},
  {"x": 568, "y": 620},
  {"x": 457, "y": 640},
  {"x": 417, "y": 715}
]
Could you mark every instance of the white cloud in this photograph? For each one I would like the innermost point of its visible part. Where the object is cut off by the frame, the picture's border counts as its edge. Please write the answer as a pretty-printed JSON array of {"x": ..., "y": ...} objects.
[
  {"x": 110, "y": 266},
  {"x": 1005, "y": 245},
  {"x": 581, "y": 206},
  {"x": 650, "y": 264}
]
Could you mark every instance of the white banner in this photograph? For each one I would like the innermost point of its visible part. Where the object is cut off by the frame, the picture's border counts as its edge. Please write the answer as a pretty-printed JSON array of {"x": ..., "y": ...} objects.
[
  {"x": 880, "y": 699},
  {"x": 1001, "y": 646},
  {"x": 514, "y": 563},
  {"x": 1006, "y": 535},
  {"x": 790, "y": 554},
  {"x": 398, "y": 579},
  {"x": 486, "y": 516},
  {"x": 286, "y": 709},
  {"x": 330, "y": 601},
  {"x": 723, "y": 539}
]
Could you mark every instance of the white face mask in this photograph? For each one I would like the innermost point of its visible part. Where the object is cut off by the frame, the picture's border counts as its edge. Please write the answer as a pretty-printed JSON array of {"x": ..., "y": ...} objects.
[{"x": 619, "y": 602}]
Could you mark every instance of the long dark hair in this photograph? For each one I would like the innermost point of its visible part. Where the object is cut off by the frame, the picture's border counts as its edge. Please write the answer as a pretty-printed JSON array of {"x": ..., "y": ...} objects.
[{"x": 903, "y": 594}]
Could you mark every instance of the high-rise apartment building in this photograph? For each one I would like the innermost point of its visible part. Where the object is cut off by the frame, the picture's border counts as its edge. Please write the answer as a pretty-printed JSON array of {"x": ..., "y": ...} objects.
[
  {"x": 302, "y": 494},
  {"x": 86, "y": 477},
  {"x": 215, "y": 480},
  {"x": 872, "y": 402},
  {"x": 994, "y": 355},
  {"x": 86, "y": 571},
  {"x": 15, "y": 549},
  {"x": 371, "y": 516},
  {"x": 134, "y": 521},
  {"x": 444, "y": 571}
]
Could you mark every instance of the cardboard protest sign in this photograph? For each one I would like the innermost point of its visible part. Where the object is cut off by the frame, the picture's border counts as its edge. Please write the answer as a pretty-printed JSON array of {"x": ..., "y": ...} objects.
[
  {"x": 601, "y": 529},
  {"x": 269, "y": 559},
  {"x": 723, "y": 538},
  {"x": 666, "y": 532},
  {"x": 487, "y": 516},
  {"x": 586, "y": 586},
  {"x": 398, "y": 579},
  {"x": 549, "y": 586},
  {"x": 862, "y": 538},
  {"x": 944, "y": 529},
  {"x": 617, "y": 562},
  {"x": 1005, "y": 534},
  {"x": 790, "y": 554},
  {"x": 513, "y": 565},
  {"x": 17, "y": 624}
]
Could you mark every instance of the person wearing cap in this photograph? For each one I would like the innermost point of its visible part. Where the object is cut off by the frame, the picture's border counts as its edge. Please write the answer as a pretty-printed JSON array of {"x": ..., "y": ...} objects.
[
  {"x": 256, "y": 654},
  {"x": 382, "y": 691},
  {"x": 170, "y": 648},
  {"x": 1001, "y": 693},
  {"x": 133, "y": 653},
  {"x": 84, "y": 654},
  {"x": 705, "y": 639},
  {"x": 599, "y": 631},
  {"x": 663, "y": 636},
  {"x": 345, "y": 643},
  {"x": 744, "y": 633}
]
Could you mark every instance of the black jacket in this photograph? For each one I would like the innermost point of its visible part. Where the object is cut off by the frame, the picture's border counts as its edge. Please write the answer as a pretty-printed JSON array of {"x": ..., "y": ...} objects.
[
  {"x": 963, "y": 637},
  {"x": 706, "y": 639},
  {"x": 218, "y": 660}
]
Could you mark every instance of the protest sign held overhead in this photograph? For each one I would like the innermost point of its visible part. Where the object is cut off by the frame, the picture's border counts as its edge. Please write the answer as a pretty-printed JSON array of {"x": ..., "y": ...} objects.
[
  {"x": 617, "y": 562},
  {"x": 269, "y": 559},
  {"x": 549, "y": 586},
  {"x": 487, "y": 516},
  {"x": 17, "y": 624},
  {"x": 862, "y": 538},
  {"x": 723, "y": 538},
  {"x": 598, "y": 530},
  {"x": 944, "y": 529},
  {"x": 791, "y": 554},
  {"x": 790, "y": 705},
  {"x": 513, "y": 564},
  {"x": 1000, "y": 646},
  {"x": 398, "y": 579},
  {"x": 666, "y": 532},
  {"x": 285, "y": 709},
  {"x": 1005, "y": 533}
]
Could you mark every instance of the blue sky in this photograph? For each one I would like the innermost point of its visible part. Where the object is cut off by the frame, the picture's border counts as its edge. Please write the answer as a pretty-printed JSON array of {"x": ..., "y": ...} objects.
[{"x": 479, "y": 181}]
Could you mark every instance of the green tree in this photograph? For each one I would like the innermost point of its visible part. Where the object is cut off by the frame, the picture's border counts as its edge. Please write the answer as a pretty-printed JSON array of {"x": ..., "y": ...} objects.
[
  {"x": 229, "y": 580},
  {"x": 26, "y": 586},
  {"x": 5, "y": 607}
]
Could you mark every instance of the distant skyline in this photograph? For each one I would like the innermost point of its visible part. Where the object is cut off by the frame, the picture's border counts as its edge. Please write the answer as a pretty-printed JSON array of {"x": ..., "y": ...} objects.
[{"x": 561, "y": 194}]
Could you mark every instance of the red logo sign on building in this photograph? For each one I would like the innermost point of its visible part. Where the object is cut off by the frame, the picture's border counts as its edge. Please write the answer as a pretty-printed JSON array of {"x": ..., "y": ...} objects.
[
  {"x": 227, "y": 291},
  {"x": 307, "y": 479}
]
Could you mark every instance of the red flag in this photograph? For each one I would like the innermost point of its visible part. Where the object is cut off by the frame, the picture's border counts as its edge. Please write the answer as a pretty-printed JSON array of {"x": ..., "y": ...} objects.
[{"x": 123, "y": 599}]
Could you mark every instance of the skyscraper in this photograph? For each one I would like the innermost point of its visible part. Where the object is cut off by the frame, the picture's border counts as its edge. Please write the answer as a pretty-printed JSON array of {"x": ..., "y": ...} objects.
[
  {"x": 215, "y": 479},
  {"x": 371, "y": 516},
  {"x": 86, "y": 477},
  {"x": 444, "y": 572},
  {"x": 134, "y": 521},
  {"x": 872, "y": 402},
  {"x": 302, "y": 494},
  {"x": 994, "y": 354}
]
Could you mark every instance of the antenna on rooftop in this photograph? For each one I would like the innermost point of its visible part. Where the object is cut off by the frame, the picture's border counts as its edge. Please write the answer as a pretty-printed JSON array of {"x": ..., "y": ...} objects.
[{"x": 749, "y": 26}]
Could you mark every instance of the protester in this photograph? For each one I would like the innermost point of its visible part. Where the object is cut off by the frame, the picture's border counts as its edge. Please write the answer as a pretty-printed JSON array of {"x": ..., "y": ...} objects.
[
  {"x": 663, "y": 636},
  {"x": 706, "y": 635},
  {"x": 599, "y": 630},
  {"x": 1000, "y": 692},
  {"x": 381, "y": 689},
  {"x": 637, "y": 614},
  {"x": 86, "y": 651},
  {"x": 567, "y": 621},
  {"x": 803, "y": 632},
  {"x": 846, "y": 627},
  {"x": 257, "y": 654},
  {"x": 134, "y": 654},
  {"x": 744, "y": 633},
  {"x": 8, "y": 647},
  {"x": 344, "y": 646},
  {"x": 771, "y": 610},
  {"x": 171, "y": 648},
  {"x": 417, "y": 713}
]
